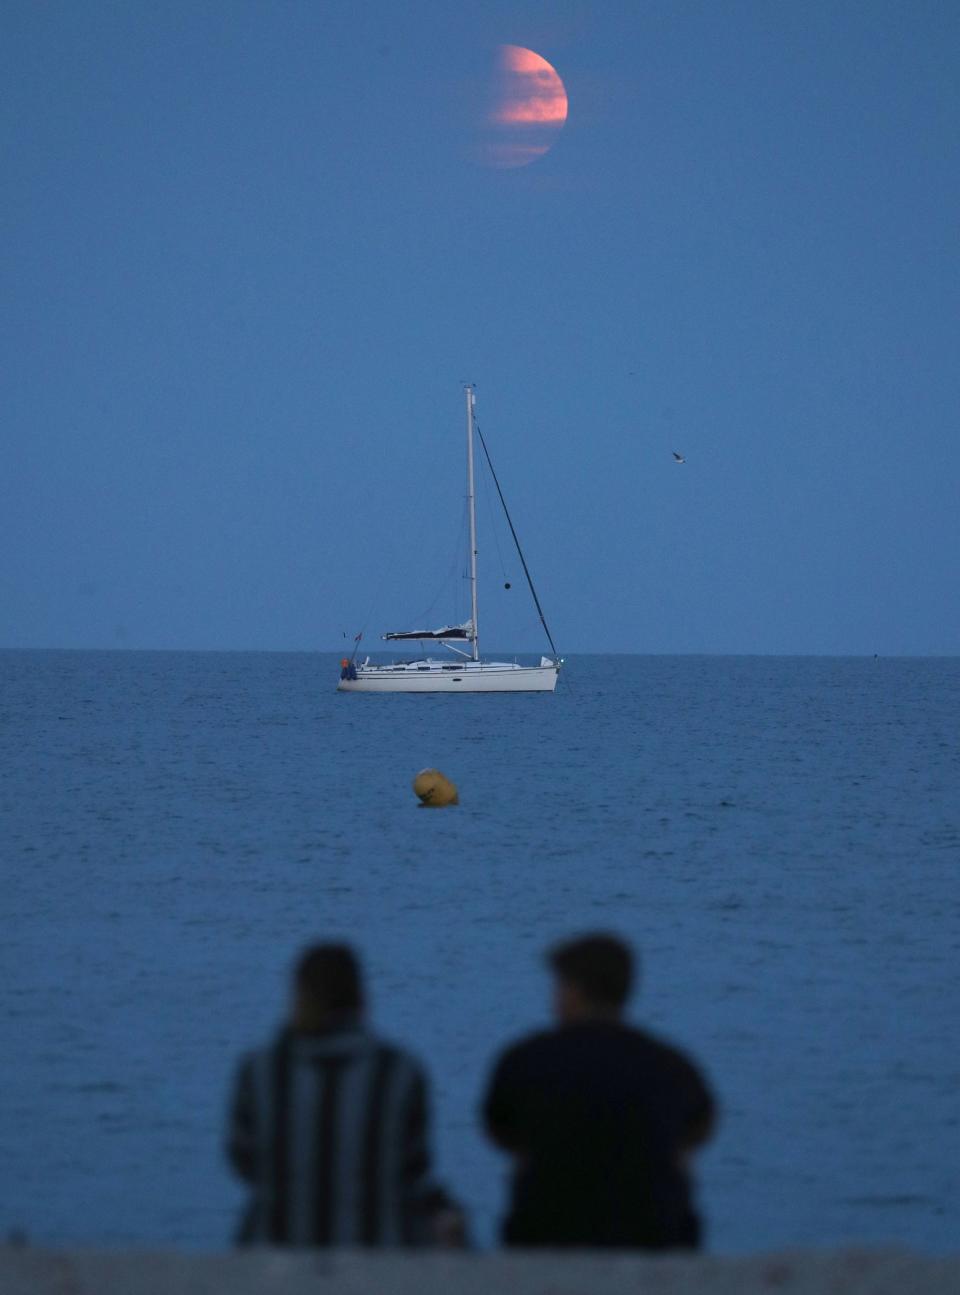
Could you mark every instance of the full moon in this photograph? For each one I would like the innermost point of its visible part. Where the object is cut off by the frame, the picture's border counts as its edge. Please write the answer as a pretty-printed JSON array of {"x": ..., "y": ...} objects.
[{"x": 529, "y": 109}]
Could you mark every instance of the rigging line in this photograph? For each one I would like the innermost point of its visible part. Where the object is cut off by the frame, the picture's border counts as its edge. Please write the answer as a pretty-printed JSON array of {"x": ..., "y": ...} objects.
[
  {"x": 523, "y": 560},
  {"x": 493, "y": 526},
  {"x": 373, "y": 603},
  {"x": 448, "y": 582},
  {"x": 363, "y": 627}
]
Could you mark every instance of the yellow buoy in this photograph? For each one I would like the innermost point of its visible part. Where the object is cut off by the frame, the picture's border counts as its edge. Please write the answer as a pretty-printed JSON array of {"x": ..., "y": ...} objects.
[{"x": 435, "y": 789}]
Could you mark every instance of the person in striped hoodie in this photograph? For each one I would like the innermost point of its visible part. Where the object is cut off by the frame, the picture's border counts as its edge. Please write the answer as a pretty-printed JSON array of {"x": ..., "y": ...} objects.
[{"x": 329, "y": 1125}]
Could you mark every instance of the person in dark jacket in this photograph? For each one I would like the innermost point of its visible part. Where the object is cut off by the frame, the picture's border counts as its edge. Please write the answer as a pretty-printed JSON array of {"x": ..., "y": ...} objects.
[
  {"x": 600, "y": 1118},
  {"x": 330, "y": 1126}
]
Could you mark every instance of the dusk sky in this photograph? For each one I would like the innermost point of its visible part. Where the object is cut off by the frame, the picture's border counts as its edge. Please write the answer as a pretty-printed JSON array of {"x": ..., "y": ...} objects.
[{"x": 251, "y": 252}]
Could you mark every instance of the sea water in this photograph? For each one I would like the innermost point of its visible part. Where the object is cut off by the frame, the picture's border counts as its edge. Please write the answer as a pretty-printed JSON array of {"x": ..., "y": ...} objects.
[{"x": 780, "y": 838}]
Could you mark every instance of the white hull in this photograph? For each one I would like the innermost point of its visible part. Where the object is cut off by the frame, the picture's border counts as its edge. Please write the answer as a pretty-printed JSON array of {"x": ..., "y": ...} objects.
[{"x": 436, "y": 676}]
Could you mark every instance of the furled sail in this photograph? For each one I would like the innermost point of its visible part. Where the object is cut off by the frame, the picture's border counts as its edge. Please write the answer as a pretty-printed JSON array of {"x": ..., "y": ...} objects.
[{"x": 464, "y": 631}]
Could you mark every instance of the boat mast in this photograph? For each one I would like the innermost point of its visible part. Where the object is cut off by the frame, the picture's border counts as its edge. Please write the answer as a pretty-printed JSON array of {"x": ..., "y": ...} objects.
[{"x": 472, "y": 503}]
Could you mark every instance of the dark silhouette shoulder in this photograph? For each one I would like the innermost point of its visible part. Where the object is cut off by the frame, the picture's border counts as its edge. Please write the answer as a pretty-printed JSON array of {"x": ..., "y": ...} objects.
[{"x": 576, "y": 1066}]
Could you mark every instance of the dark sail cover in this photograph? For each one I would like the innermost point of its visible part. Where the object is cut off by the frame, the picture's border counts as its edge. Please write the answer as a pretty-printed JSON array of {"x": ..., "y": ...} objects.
[{"x": 464, "y": 631}]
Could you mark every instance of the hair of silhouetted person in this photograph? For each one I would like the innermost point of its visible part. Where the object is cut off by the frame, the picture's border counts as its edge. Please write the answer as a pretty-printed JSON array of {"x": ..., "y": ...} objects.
[
  {"x": 328, "y": 975},
  {"x": 600, "y": 965}
]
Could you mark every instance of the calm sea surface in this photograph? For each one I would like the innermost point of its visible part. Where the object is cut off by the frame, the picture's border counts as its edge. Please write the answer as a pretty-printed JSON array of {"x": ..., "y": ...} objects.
[{"x": 780, "y": 837}]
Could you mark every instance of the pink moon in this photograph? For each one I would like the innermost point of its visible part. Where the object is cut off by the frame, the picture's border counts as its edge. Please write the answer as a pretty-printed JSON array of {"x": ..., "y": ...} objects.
[{"x": 529, "y": 109}]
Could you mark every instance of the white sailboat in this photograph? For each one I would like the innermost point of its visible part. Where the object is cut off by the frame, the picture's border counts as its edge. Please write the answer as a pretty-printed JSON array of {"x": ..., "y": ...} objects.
[{"x": 469, "y": 672}]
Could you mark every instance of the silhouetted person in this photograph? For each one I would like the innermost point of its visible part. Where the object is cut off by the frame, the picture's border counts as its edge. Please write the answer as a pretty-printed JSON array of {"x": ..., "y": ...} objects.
[
  {"x": 601, "y": 1118},
  {"x": 329, "y": 1126}
]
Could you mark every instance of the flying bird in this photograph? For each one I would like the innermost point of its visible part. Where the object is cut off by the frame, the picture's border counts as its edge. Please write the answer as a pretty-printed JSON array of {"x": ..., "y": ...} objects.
[{"x": 677, "y": 458}]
